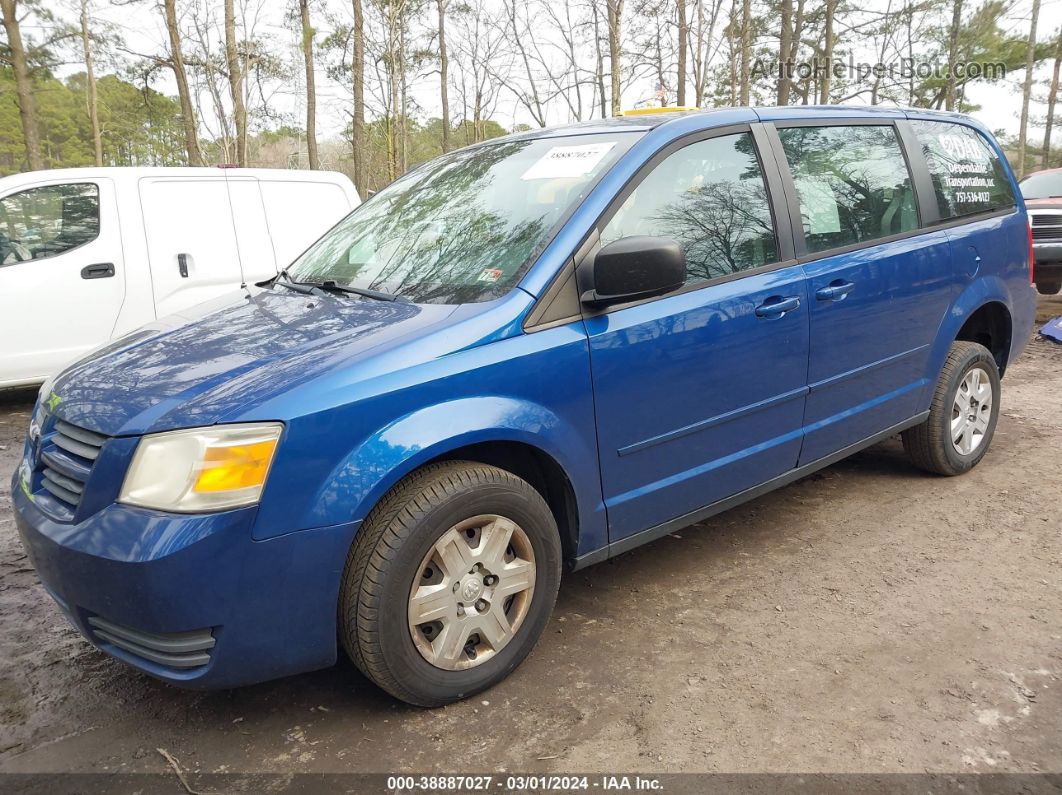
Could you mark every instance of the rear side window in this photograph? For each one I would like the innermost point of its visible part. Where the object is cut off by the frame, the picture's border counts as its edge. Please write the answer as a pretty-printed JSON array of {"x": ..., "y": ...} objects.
[
  {"x": 42, "y": 222},
  {"x": 852, "y": 182},
  {"x": 709, "y": 197},
  {"x": 967, "y": 175}
]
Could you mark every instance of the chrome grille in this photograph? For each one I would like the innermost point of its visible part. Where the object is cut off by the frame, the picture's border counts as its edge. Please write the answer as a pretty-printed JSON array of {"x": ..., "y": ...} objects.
[
  {"x": 1046, "y": 219},
  {"x": 67, "y": 458}
]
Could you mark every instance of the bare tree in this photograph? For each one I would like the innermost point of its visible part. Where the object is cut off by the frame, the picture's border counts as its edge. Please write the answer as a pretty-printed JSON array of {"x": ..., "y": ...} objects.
[
  {"x": 953, "y": 53},
  {"x": 358, "y": 121},
  {"x": 615, "y": 20},
  {"x": 91, "y": 99},
  {"x": 444, "y": 76},
  {"x": 481, "y": 51},
  {"x": 1030, "y": 64},
  {"x": 746, "y": 50},
  {"x": 311, "y": 91},
  {"x": 827, "y": 51},
  {"x": 1052, "y": 97},
  {"x": 236, "y": 77},
  {"x": 683, "y": 43},
  {"x": 27, "y": 106},
  {"x": 176, "y": 62},
  {"x": 706, "y": 46}
]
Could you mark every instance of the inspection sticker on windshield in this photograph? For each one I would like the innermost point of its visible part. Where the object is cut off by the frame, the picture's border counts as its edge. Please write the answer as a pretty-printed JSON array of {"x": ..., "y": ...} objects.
[
  {"x": 568, "y": 161},
  {"x": 489, "y": 275}
]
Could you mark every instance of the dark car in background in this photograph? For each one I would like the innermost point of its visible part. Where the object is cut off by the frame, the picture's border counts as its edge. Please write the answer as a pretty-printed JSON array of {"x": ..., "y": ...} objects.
[{"x": 1043, "y": 199}]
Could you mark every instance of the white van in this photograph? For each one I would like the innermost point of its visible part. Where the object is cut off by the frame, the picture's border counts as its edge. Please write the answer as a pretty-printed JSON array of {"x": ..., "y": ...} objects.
[{"x": 89, "y": 254}]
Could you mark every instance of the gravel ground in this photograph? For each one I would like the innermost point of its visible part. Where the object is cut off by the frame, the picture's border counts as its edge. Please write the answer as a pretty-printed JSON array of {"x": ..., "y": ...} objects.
[{"x": 869, "y": 618}]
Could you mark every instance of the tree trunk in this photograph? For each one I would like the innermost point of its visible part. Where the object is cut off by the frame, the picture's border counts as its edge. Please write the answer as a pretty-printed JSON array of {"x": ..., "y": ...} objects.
[
  {"x": 746, "y": 49},
  {"x": 1030, "y": 64},
  {"x": 27, "y": 106},
  {"x": 785, "y": 38},
  {"x": 683, "y": 39},
  {"x": 311, "y": 91},
  {"x": 732, "y": 52},
  {"x": 953, "y": 53},
  {"x": 1052, "y": 97},
  {"x": 90, "y": 87},
  {"x": 191, "y": 138},
  {"x": 358, "y": 123},
  {"x": 444, "y": 77},
  {"x": 615, "y": 19},
  {"x": 239, "y": 107},
  {"x": 827, "y": 52},
  {"x": 599, "y": 63}
]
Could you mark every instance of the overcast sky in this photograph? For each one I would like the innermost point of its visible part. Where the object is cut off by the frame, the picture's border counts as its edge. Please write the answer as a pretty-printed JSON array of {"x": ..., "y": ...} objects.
[{"x": 142, "y": 28}]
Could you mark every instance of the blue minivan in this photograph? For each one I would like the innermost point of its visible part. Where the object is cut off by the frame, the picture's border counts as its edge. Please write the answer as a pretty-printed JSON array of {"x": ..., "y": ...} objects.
[{"x": 536, "y": 352}]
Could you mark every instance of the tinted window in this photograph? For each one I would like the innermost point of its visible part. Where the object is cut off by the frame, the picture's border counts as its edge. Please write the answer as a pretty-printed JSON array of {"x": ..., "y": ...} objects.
[
  {"x": 967, "y": 176},
  {"x": 464, "y": 226},
  {"x": 711, "y": 198},
  {"x": 1042, "y": 185},
  {"x": 852, "y": 182},
  {"x": 43, "y": 222}
]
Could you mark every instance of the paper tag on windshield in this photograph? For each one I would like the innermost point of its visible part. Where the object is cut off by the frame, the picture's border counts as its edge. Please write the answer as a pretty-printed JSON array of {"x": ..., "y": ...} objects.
[
  {"x": 568, "y": 161},
  {"x": 490, "y": 275}
]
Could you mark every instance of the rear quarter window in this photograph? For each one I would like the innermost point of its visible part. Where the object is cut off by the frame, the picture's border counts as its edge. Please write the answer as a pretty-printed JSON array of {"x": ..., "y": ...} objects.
[{"x": 968, "y": 177}]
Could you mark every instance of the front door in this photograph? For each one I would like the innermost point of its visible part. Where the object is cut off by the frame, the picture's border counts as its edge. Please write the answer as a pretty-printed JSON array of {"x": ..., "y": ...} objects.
[
  {"x": 62, "y": 275},
  {"x": 878, "y": 286},
  {"x": 700, "y": 394}
]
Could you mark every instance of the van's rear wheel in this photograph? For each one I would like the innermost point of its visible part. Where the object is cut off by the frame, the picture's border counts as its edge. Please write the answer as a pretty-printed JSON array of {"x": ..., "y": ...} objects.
[
  {"x": 963, "y": 414},
  {"x": 450, "y": 582}
]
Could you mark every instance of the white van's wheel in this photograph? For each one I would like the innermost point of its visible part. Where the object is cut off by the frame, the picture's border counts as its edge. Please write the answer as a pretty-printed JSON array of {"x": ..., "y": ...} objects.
[
  {"x": 963, "y": 414},
  {"x": 450, "y": 582}
]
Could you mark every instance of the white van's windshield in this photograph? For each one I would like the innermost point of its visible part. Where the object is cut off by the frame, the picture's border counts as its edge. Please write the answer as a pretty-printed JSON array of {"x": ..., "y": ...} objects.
[{"x": 465, "y": 226}]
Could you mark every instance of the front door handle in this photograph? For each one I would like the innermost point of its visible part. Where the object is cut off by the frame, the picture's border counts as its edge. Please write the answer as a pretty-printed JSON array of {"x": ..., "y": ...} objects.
[
  {"x": 835, "y": 290},
  {"x": 776, "y": 306},
  {"x": 101, "y": 270},
  {"x": 182, "y": 265}
]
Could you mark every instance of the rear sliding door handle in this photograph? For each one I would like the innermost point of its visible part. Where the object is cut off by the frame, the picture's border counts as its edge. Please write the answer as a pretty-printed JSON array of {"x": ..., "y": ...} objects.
[
  {"x": 834, "y": 291},
  {"x": 776, "y": 306},
  {"x": 101, "y": 270},
  {"x": 182, "y": 265}
]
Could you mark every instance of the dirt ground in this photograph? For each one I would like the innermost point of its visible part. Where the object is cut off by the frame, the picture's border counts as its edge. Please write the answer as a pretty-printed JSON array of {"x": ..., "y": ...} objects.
[{"x": 869, "y": 618}]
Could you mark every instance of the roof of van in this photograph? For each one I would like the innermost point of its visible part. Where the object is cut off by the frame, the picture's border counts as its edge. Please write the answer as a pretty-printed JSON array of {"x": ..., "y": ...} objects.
[
  {"x": 130, "y": 173},
  {"x": 766, "y": 113}
]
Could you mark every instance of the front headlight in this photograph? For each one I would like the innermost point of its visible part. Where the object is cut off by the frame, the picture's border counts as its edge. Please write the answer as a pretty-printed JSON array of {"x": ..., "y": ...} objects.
[{"x": 201, "y": 469}]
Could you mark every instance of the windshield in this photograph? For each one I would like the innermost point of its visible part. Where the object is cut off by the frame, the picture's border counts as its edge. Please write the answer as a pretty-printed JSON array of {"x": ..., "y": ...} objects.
[
  {"x": 464, "y": 226},
  {"x": 1045, "y": 185}
]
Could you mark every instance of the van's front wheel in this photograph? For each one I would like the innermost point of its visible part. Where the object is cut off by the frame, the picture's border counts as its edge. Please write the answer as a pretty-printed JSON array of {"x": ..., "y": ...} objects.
[
  {"x": 963, "y": 414},
  {"x": 450, "y": 582}
]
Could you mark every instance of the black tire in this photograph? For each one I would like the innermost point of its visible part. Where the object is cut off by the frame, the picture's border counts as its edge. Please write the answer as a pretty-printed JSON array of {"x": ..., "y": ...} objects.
[
  {"x": 1048, "y": 286},
  {"x": 929, "y": 444},
  {"x": 386, "y": 557}
]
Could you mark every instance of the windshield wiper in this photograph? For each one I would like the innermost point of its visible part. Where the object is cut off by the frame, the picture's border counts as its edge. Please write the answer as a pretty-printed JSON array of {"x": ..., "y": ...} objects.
[{"x": 331, "y": 286}]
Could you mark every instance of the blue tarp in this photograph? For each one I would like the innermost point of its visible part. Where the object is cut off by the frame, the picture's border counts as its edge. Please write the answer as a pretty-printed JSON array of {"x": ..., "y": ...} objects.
[{"x": 1053, "y": 329}]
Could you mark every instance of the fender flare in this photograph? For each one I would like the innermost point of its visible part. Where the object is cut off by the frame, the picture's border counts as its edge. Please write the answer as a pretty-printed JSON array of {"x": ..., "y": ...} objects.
[
  {"x": 984, "y": 290},
  {"x": 383, "y": 458}
]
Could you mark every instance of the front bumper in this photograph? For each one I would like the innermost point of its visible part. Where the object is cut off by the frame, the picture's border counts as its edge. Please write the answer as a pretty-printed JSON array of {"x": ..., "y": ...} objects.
[{"x": 166, "y": 579}]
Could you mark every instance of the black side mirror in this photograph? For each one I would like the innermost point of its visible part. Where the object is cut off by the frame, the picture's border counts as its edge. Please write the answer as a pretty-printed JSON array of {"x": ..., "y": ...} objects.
[{"x": 635, "y": 267}]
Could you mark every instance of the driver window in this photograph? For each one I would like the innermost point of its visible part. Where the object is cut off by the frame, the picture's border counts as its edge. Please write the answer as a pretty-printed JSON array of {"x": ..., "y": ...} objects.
[
  {"x": 42, "y": 222},
  {"x": 710, "y": 197}
]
